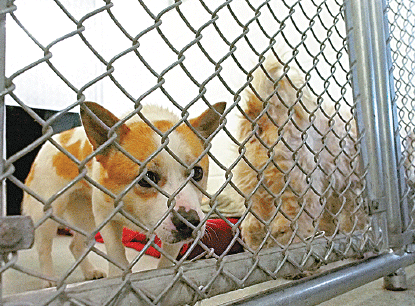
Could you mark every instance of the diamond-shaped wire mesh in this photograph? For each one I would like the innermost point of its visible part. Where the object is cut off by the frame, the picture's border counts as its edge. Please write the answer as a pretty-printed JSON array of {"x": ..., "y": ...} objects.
[
  {"x": 402, "y": 28},
  {"x": 285, "y": 180}
]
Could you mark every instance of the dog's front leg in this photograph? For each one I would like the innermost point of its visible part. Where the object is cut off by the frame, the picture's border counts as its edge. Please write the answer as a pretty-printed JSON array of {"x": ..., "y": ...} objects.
[
  {"x": 112, "y": 235},
  {"x": 171, "y": 250}
]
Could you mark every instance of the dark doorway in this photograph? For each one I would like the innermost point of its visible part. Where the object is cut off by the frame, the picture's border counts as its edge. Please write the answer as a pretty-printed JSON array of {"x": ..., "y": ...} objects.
[{"x": 22, "y": 130}]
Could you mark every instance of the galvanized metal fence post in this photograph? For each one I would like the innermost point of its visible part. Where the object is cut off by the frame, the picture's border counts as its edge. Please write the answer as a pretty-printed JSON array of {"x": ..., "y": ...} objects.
[
  {"x": 3, "y": 6},
  {"x": 13, "y": 229},
  {"x": 364, "y": 95},
  {"x": 371, "y": 67},
  {"x": 397, "y": 206},
  {"x": 390, "y": 145}
]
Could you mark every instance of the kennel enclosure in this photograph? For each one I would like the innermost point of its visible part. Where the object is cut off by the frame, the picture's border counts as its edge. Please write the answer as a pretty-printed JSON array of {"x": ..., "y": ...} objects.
[{"x": 356, "y": 56}]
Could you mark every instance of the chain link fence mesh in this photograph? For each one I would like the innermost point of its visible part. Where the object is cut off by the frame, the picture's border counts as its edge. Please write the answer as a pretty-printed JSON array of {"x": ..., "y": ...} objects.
[
  {"x": 401, "y": 23},
  {"x": 186, "y": 56}
]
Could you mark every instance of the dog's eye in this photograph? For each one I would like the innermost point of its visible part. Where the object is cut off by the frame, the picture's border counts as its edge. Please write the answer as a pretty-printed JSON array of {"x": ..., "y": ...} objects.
[
  {"x": 197, "y": 173},
  {"x": 154, "y": 177}
]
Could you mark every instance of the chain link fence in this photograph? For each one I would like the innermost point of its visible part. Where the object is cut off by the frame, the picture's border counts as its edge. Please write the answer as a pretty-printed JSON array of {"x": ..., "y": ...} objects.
[
  {"x": 288, "y": 190},
  {"x": 401, "y": 23}
]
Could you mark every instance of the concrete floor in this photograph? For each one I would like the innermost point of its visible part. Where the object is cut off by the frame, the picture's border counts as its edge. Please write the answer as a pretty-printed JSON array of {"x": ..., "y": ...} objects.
[
  {"x": 368, "y": 295},
  {"x": 16, "y": 282}
]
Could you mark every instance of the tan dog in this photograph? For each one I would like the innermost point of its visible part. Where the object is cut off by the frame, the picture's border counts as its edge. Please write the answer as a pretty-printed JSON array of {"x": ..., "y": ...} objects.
[
  {"x": 300, "y": 171},
  {"x": 158, "y": 189}
]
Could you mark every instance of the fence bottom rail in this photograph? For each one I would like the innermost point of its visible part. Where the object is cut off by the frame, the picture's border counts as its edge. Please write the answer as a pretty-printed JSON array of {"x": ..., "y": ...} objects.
[
  {"x": 193, "y": 281},
  {"x": 315, "y": 290}
]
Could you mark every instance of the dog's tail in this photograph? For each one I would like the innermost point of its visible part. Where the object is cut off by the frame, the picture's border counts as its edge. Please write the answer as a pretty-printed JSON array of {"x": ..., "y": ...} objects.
[{"x": 279, "y": 90}]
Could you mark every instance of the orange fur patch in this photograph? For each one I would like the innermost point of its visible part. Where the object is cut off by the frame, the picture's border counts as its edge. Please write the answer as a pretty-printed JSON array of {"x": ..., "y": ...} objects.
[
  {"x": 194, "y": 142},
  {"x": 163, "y": 125},
  {"x": 66, "y": 136},
  {"x": 64, "y": 166},
  {"x": 121, "y": 170}
]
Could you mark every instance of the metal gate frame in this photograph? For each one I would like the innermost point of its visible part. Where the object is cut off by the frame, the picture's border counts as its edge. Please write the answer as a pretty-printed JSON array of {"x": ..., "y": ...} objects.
[{"x": 372, "y": 80}]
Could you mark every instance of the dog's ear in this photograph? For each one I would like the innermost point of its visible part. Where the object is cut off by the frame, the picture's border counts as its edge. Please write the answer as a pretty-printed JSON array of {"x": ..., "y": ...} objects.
[
  {"x": 208, "y": 121},
  {"x": 97, "y": 122}
]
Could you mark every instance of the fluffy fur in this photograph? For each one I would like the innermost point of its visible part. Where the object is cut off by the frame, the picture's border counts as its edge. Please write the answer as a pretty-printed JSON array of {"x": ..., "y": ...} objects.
[
  {"x": 159, "y": 188},
  {"x": 300, "y": 168}
]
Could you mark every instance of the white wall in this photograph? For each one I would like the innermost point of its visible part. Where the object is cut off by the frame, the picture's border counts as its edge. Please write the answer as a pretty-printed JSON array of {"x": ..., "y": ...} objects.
[{"x": 40, "y": 87}]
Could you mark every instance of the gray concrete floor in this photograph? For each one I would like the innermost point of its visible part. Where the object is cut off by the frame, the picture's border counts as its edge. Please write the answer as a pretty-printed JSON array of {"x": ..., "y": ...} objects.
[
  {"x": 16, "y": 282},
  {"x": 368, "y": 295}
]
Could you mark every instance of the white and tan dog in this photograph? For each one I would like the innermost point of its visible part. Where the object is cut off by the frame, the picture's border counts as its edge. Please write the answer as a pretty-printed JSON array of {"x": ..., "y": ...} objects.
[{"x": 159, "y": 188}]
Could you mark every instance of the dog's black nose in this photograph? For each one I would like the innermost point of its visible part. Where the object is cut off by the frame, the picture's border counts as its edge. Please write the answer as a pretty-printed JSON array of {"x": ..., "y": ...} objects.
[{"x": 185, "y": 231}]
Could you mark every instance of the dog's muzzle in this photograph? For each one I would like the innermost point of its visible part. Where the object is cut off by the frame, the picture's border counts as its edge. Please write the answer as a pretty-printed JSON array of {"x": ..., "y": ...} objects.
[{"x": 185, "y": 223}]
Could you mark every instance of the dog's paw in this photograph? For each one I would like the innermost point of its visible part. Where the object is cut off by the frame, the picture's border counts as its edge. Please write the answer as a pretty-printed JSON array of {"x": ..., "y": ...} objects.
[{"x": 95, "y": 274}]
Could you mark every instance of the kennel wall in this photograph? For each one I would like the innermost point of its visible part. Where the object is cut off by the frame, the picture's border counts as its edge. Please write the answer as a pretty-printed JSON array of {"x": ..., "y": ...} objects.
[{"x": 356, "y": 57}]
